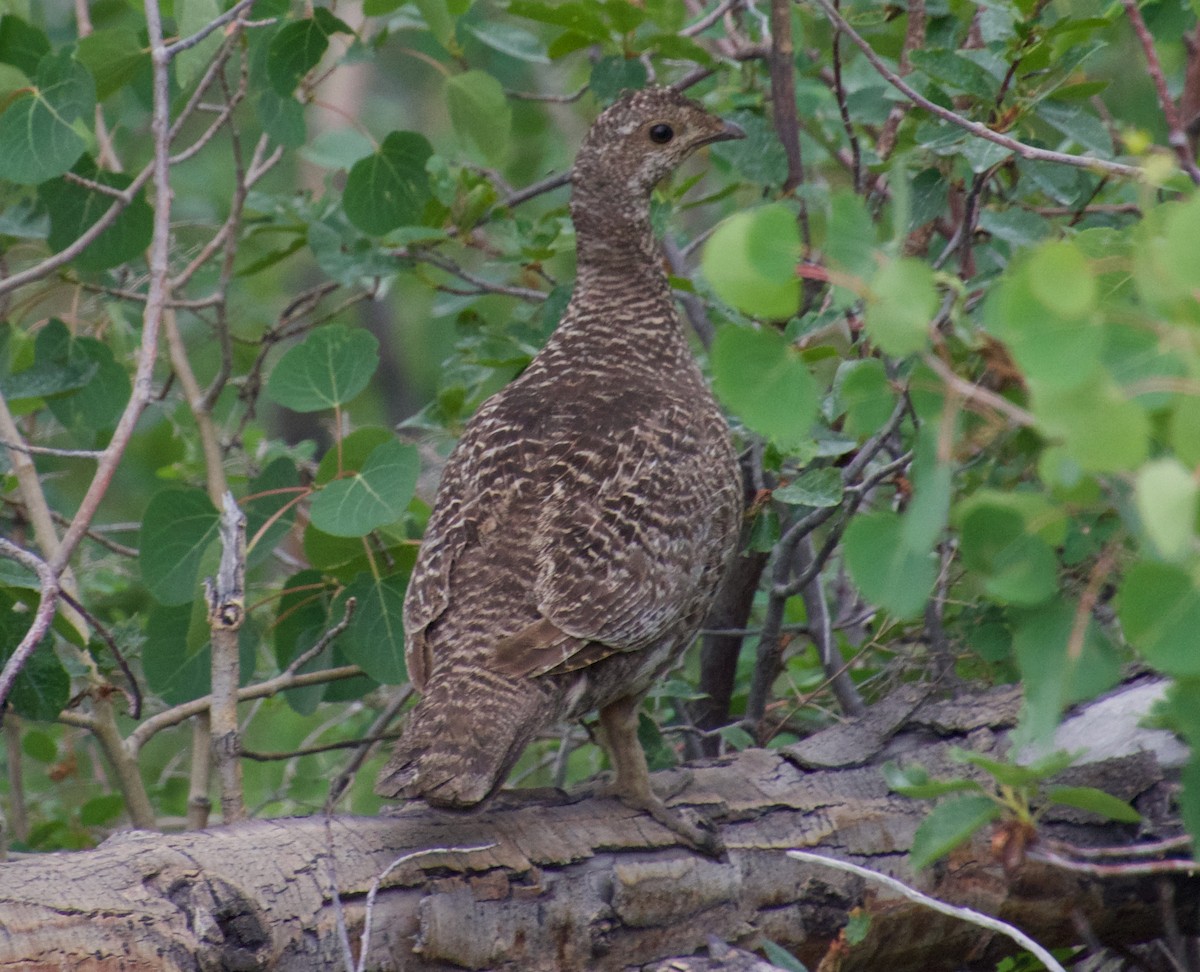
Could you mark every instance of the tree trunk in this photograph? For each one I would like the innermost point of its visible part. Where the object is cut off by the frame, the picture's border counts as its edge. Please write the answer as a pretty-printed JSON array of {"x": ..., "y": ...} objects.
[{"x": 590, "y": 885}]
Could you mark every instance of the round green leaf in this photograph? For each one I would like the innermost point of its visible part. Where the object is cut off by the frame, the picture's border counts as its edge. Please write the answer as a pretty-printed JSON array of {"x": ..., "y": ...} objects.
[
  {"x": 177, "y": 529},
  {"x": 886, "y": 571},
  {"x": 1160, "y": 612},
  {"x": 1041, "y": 341},
  {"x": 865, "y": 394},
  {"x": 37, "y": 140},
  {"x": 375, "y": 639},
  {"x": 1052, "y": 677},
  {"x": 480, "y": 112},
  {"x": 1016, "y": 567},
  {"x": 819, "y": 487},
  {"x": 298, "y": 47},
  {"x": 74, "y": 208},
  {"x": 116, "y": 56},
  {"x": 329, "y": 368},
  {"x": 391, "y": 187},
  {"x": 379, "y": 494},
  {"x": 951, "y": 823},
  {"x": 352, "y": 453},
  {"x": 750, "y": 260},
  {"x": 21, "y": 44},
  {"x": 1100, "y": 429},
  {"x": 763, "y": 379},
  {"x": 1061, "y": 280},
  {"x": 1165, "y": 494},
  {"x": 901, "y": 304},
  {"x": 96, "y": 406},
  {"x": 612, "y": 75}
]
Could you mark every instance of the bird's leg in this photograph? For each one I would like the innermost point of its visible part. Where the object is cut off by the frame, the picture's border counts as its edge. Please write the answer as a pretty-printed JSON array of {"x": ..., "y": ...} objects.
[{"x": 618, "y": 735}]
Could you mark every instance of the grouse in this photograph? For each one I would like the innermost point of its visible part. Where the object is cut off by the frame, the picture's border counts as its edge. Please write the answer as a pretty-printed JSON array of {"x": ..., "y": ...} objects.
[{"x": 589, "y": 510}]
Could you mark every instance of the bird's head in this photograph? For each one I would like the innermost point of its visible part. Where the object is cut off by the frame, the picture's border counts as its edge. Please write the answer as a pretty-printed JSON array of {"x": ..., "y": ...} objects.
[{"x": 642, "y": 137}]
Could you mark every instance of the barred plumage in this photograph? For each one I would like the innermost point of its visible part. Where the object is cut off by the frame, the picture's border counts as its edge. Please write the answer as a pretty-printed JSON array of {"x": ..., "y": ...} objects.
[{"x": 586, "y": 516}]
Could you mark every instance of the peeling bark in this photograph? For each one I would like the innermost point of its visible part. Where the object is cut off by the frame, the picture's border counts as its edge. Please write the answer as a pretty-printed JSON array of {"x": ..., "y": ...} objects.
[{"x": 590, "y": 885}]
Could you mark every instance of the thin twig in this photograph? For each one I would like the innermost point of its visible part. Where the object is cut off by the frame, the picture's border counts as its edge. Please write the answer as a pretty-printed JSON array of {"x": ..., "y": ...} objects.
[
  {"x": 1176, "y": 136},
  {"x": 365, "y": 945},
  {"x": 975, "y": 128},
  {"x": 194, "y": 39},
  {"x": 966, "y": 914}
]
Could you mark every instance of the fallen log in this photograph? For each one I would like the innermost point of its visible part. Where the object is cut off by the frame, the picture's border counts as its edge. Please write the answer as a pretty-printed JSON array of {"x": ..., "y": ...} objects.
[{"x": 543, "y": 881}]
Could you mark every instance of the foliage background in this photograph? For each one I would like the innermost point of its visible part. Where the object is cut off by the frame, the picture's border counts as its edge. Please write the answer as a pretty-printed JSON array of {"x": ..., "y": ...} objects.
[{"x": 950, "y": 302}]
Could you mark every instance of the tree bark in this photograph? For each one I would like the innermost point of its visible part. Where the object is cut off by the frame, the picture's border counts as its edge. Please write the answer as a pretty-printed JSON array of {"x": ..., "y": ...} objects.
[{"x": 589, "y": 885}]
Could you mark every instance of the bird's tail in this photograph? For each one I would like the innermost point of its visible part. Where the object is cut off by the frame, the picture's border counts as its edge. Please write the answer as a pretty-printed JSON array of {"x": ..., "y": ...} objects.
[{"x": 461, "y": 740}]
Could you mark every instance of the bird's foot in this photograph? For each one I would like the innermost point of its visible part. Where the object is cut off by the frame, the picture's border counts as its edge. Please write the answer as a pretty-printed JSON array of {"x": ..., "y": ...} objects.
[{"x": 693, "y": 828}]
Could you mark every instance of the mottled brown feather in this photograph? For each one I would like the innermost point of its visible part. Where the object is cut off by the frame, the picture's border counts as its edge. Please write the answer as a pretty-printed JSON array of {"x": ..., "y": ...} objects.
[{"x": 590, "y": 508}]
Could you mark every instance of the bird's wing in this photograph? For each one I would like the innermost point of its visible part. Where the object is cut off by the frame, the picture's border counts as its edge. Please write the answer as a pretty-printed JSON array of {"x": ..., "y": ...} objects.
[
  {"x": 628, "y": 525},
  {"x": 481, "y": 479}
]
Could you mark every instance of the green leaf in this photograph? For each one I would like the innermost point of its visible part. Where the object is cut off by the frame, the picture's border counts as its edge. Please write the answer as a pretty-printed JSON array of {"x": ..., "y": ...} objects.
[
  {"x": 177, "y": 657},
  {"x": 480, "y": 112},
  {"x": 1013, "y": 774},
  {"x": 821, "y": 487},
  {"x": 437, "y": 17},
  {"x": 21, "y": 44},
  {"x": 914, "y": 781},
  {"x": 352, "y": 454},
  {"x": 956, "y": 73},
  {"x": 782, "y": 958},
  {"x": 43, "y": 688},
  {"x": 1096, "y": 801},
  {"x": 510, "y": 39},
  {"x": 886, "y": 571},
  {"x": 365, "y": 500},
  {"x": 282, "y": 118},
  {"x": 750, "y": 260},
  {"x": 278, "y": 485},
  {"x": 901, "y": 306},
  {"x": 612, "y": 75},
  {"x": 303, "y": 607},
  {"x": 391, "y": 187},
  {"x": 576, "y": 16},
  {"x": 97, "y": 405},
  {"x": 1017, "y": 567},
  {"x": 1159, "y": 608},
  {"x": 177, "y": 529},
  {"x": 951, "y": 823},
  {"x": 1040, "y": 340},
  {"x": 74, "y": 208},
  {"x": 329, "y": 368},
  {"x": 1165, "y": 494},
  {"x": 850, "y": 238},
  {"x": 39, "y": 746},
  {"x": 865, "y": 393},
  {"x": 116, "y": 57},
  {"x": 929, "y": 508},
  {"x": 375, "y": 639},
  {"x": 298, "y": 47},
  {"x": 1185, "y": 429},
  {"x": 48, "y": 376},
  {"x": 1061, "y": 280},
  {"x": 101, "y": 810},
  {"x": 763, "y": 379},
  {"x": 190, "y": 17},
  {"x": 1056, "y": 673},
  {"x": 1100, "y": 429},
  {"x": 37, "y": 137}
]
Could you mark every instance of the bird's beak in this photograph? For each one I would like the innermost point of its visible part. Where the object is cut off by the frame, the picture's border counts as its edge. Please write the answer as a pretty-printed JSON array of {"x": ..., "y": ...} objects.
[{"x": 728, "y": 132}]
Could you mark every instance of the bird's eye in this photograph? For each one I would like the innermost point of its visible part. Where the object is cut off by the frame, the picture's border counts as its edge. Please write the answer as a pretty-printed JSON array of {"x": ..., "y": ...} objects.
[{"x": 661, "y": 134}]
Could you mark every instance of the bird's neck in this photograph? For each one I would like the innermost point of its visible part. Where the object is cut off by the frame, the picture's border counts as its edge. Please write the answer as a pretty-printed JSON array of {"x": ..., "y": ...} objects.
[{"x": 615, "y": 246}]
